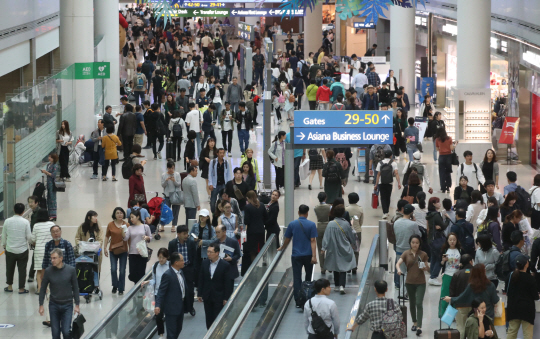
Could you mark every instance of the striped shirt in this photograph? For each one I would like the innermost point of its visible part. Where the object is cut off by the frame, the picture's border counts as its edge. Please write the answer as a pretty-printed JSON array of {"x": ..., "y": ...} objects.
[{"x": 16, "y": 234}]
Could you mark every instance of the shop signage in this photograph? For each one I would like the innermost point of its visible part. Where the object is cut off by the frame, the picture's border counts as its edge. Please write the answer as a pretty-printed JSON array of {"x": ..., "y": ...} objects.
[
  {"x": 92, "y": 70},
  {"x": 266, "y": 12},
  {"x": 364, "y": 25},
  {"x": 421, "y": 124},
  {"x": 451, "y": 29},
  {"x": 509, "y": 130},
  {"x": 246, "y": 31},
  {"x": 343, "y": 127},
  {"x": 375, "y": 59},
  {"x": 199, "y": 12}
]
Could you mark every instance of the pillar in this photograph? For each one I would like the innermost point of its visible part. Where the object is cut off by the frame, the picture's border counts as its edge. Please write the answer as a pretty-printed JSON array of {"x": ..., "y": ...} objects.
[
  {"x": 403, "y": 48},
  {"x": 473, "y": 43},
  {"x": 77, "y": 45},
  {"x": 106, "y": 24},
  {"x": 313, "y": 29}
]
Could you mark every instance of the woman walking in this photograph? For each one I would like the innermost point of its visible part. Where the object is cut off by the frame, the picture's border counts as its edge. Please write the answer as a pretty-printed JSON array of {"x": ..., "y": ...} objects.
[
  {"x": 436, "y": 238},
  {"x": 332, "y": 172},
  {"x": 64, "y": 145},
  {"x": 338, "y": 246},
  {"x": 434, "y": 127},
  {"x": 400, "y": 123},
  {"x": 171, "y": 183},
  {"x": 277, "y": 154},
  {"x": 136, "y": 185},
  {"x": 451, "y": 257},
  {"x": 249, "y": 176},
  {"x": 271, "y": 225},
  {"x": 41, "y": 235},
  {"x": 316, "y": 162},
  {"x": 487, "y": 255},
  {"x": 205, "y": 235},
  {"x": 137, "y": 232},
  {"x": 116, "y": 249},
  {"x": 490, "y": 169},
  {"x": 208, "y": 153},
  {"x": 177, "y": 130},
  {"x": 110, "y": 143},
  {"x": 50, "y": 172},
  {"x": 478, "y": 324},
  {"x": 445, "y": 147},
  {"x": 229, "y": 220},
  {"x": 90, "y": 230},
  {"x": 474, "y": 209},
  {"x": 416, "y": 262},
  {"x": 255, "y": 217}
]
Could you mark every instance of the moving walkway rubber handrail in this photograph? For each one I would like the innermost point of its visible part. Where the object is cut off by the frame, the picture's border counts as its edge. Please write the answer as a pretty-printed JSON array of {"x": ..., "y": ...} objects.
[{"x": 365, "y": 275}]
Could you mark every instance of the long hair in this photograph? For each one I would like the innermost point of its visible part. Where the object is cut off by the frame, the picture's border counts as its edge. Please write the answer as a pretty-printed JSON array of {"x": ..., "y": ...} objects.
[
  {"x": 337, "y": 201},
  {"x": 253, "y": 199},
  {"x": 514, "y": 214},
  {"x": 515, "y": 275},
  {"x": 494, "y": 156},
  {"x": 442, "y": 135},
  {"x": 511, "y": 196},
  {"x": 207, "y": 147},
  {"x": 431, "y": 204},
  {"x": 478, "y": 279},
  {"x": 492, "y": 215},
  {"x": 421, "y": 197},
  {"x": 446, "y": 245},
  {"x": 250, "y": 170},
  {"x": 87, "y": 225},
  {"x": 64, "y": 131},
  {"x": 414, "y": 179}
]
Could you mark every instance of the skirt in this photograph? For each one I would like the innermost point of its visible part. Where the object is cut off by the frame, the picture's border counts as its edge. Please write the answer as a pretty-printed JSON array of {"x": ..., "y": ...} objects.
[
  {"x": 316, "y": 163},
  {"x": 137, "y": 267}
]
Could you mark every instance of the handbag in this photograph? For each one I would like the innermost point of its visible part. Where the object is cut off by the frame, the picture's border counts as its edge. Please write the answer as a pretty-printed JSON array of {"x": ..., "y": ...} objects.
[
  {"x": 500, "y": 314},
  {"x": 409, "y": 198},
  {"x": 59, "y": 186},
  {"x": 116, "y": 247},
  {"x": 77, "y": 329},
  {"x": 139, "y": 197},
  {"x": 177, "y": 198},
  {"x": 237, "y": 193},
  {"x": 455, "y": 159},
  {"x": 449, "y": 315}
]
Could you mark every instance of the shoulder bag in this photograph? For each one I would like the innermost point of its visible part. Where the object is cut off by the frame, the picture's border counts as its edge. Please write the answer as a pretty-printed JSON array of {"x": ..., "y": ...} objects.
[{"x": 409, "y": 198}]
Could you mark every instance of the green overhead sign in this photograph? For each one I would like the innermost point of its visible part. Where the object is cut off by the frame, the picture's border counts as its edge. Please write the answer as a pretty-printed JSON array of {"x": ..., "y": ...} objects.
[
  {"x": 92, "y": 70},
  {"x": 199, "y": 12}
]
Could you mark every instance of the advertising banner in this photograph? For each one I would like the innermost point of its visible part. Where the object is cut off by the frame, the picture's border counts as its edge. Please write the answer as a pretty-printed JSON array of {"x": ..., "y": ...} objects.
[
  {"x": 421, "y": 123},
  {"x": 509, "y": 129}
]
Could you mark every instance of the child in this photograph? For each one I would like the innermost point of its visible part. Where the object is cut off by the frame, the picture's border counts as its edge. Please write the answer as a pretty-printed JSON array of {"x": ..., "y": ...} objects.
[{"x": 450, "y": 264}]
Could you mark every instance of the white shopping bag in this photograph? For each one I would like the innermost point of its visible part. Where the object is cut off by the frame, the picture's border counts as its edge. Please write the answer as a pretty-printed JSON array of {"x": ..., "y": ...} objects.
[
  {"x": 142, "y": 249},
  {"x": 304, "y": 170}
]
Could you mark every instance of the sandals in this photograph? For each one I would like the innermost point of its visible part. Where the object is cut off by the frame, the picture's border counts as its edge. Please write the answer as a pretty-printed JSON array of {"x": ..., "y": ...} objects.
[
  {"x": 24, "y": 292},
  {"x": 173, "y": 229},
  {"x": 7, "y": 290},
  {"x": 104, "y": 179},
  {"x": 114, "y": 179}
]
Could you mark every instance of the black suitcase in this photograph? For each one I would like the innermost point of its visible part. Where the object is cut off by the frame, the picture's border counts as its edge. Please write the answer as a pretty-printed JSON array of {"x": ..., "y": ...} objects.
[
  {"x": 401, "y": 300},
  {"x": 170, "y": 150},
  {"x": 449, "y": 333}
]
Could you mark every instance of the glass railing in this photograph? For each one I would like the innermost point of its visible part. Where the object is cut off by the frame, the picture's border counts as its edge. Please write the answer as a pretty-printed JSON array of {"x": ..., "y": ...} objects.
[{"x": 363, "y": 296}]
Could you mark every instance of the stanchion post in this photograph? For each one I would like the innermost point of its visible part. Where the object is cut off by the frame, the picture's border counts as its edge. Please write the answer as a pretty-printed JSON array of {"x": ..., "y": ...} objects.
[
  {"x": 383, "y": 246},
  {"x": 289, "y": 183}
]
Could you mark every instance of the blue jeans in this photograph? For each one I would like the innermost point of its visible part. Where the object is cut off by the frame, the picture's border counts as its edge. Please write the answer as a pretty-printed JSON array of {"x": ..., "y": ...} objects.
[
  {"x": 297, "y": 264},
  {"x": 191, "y": 213},
  {"x": 297, "y": 162},
  {"x": 175, "y": 211},
  {"x": 396, "y": 276},
  {"x": 214, "y": 195},
  {"x": 434, "y": 150},
  {"x": 230, "y": 71},
  {"x": 435, "y": 262},
  {"x": 198, "y": 139},
  {"x": 139, "y": 95},
  {"x": 411, "y": 148},
  {"x": 118, "y": 282},
  {"x": 243, "y": 138},
  {"x": 61, "y": 316},
  {"x": 234, "y": 107},
  {"x": 258, "y": 74},
  {"x": 217, "y": 111}
]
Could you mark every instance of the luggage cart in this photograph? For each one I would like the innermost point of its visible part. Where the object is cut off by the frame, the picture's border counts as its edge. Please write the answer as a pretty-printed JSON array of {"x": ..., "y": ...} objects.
[{"x": 82, "y": 264}]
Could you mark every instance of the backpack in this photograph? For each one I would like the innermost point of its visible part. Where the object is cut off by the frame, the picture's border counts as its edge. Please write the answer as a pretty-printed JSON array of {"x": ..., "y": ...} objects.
[
  {"x": 475, "y": 170},
  {"x": 392, "y": 323},
  {"x": 304, "y": 69},
  {"x": 466, "y": 239},
  {"x": 317, "y": 323},
  {"x": 524, "y": 201},
  {"x": 387, "y": 173},
  {"x": 313, "y": 152},
  {"x": 342, "y": 160},
  {"x": 483, "y": 229},
  {"x": 335, "y": 107},
  {"x": 292, "y": 98},
  {"x": 140, "y": 82},
  {"x": 85, "y": 277},
  {"x": 281, "y": 98},
  {"x": 177, "y": 130},
  {"x": 379, "y": 155},
  {"x": 332, "y": 172},
  {"x": 390, "y": 233},
  {"x": 166, "y": 214},
  {"x": 499, "y": 122},
  {"x": 410, "y": 169},
  {"x": 307, "y": 291},
  {"x": 127, "y": 167},
  {"x": 502, "y": 266},
  {"x": 160, "y": 127}
]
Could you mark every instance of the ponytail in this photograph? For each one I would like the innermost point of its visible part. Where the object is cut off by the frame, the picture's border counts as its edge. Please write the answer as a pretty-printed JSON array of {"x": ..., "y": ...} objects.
[{"x": 515, "y": 277}]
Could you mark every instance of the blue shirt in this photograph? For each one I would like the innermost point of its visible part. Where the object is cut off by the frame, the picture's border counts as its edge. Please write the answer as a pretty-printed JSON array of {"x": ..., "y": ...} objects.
[
  {"x": 140, "y": 118},
  {"x": 412, "y": 134},
  {"x": 301, "y": 238},
  {"x": 144, "y": 213},
  {"x": 297, "y": 152},
  {"x": 510, "y": 188}
]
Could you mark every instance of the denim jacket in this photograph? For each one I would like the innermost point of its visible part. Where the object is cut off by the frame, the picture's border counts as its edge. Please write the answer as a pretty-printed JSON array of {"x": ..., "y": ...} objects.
[
  {"x": 212, "y": 172},
  {"x": 208, "y": 237}
]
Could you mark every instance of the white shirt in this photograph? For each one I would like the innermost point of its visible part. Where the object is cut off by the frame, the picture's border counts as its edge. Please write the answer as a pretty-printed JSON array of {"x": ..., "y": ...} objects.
[
  {"x": 188, "y": 66},
  {"x": 193, "y": 118},
  {"x": 198, "y": 87},
  {"x": 452, "y": 265},
  {"x": 227, "y": 126},
  {"x": 185, "y": 50},
  {"x": 217, "y": 97},
  {"x": 385, "y": 161},
  {"x": 355, "y": 65},
  {"x": 16, "y": 234},
  {"x": 535, "y": 197},
  {"x": 181, "y": 281},
  {"x": 359, "y": 80},
  {"x": 420, "y": 216},
  {"x": 497, "y": 195},
  {"x": 213, "y": 266},
  {"x": 474, "y": 175}
]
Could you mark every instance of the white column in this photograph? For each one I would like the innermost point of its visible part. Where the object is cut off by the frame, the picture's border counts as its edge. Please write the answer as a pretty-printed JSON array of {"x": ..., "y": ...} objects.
[
  {"x": 313, "y": 29},
  {"x": 106, "y": 24},
  {"x": 77, "y": 45},
  {"x": 473, "y": 43},
  {"x": 403, "y": 48}
]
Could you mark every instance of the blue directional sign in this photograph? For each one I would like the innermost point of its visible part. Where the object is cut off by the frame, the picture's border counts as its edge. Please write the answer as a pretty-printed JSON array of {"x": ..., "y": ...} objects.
[
  {"x": 342, "y": 128},
  {"x": 371, "y": 119},
  {"x": 364, "y": 25},
  {"x": 266, "y": 12}
]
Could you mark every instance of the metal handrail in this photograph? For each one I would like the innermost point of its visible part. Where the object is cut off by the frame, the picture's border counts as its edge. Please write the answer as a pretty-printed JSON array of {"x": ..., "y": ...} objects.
[
  {"x": 354, "y": 311},
  {"x": 116, "y": 309}
]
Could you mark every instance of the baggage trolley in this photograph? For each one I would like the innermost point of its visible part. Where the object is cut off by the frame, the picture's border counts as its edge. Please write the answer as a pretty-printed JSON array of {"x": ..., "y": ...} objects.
[{"x": 88, "y": 286}]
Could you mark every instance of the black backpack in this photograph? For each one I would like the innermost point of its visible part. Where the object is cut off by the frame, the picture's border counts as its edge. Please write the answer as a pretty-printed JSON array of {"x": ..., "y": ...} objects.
[
  {"x": 177, "y": 130},
  {"x": 127, "y": 167},
  {"x": 304, "y": 69},
  {"x": 523, "y": 201},
  {"x": 502, "y": 266},
  {"x": 85, "y": 277},
  {"x": 387, "y": 172},
  {"x": 466, "y": 239},
  {"x": 313, "y": 153},
  {"x": 332, "y": 172},
  {"x": 160, "y": 127},
  {"x": 319, "y": 326}
]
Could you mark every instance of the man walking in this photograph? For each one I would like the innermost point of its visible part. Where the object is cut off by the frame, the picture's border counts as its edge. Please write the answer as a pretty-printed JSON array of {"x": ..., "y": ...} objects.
[
  {"x": 219, "y": 173},
  {"x": 230, "y": 58},
  {"x": 244, "y": 123},
  {"x": 472, "y": 171},
  {"x": 140, "y": 131},
  {"x": 191, "y": 194},
  {"x": 96, "y": 137},
  {"x": 258, "y": 67},
  {"x": 232, "y": 259},
  {"x": 386, "y": 170},
  {"x": 304, "y": 251},
  {"x": 215, "y": 284},
  {"x": 234, "y": 94},
  {"x": 187, "y": 247},
  {"x": 127, "y": 129},
  {"x": 16, "y": 236},
  {"x": 171, "y": 296},
  {"x": 139, "y": 86},
  {"x": 322, "y": 212},
  {"x": 325, "y": 308},
  {"x": 411, "y": 135},
  {"x": 62, "y": 244},
  {"x": 61, "y": 280}
]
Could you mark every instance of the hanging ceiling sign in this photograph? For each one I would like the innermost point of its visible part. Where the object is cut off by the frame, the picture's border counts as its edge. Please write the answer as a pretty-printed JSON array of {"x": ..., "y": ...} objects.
[
  {"x": 266, "y": 12},
  {"x": 199, "y": 12},
  {"x": 364, "y": 25}
]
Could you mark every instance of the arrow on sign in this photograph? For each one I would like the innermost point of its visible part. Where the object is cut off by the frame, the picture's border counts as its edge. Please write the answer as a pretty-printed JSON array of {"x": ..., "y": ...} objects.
[
  {"x": 234, "y": 12},
  {"x": 195, "y": 12},
  {"x": 271, "y": 12},
  {"x": 385, "y": 118},
  {"x": 302, "y": 136}
]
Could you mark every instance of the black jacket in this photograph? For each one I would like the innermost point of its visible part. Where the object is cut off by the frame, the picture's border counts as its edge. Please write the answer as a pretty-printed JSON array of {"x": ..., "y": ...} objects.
[
  {"x": 521, "y": 296},
  {"x": 458, "y": 191},
  {"x": 248, "y": 119},
  {"x": 183, "y": 103},
  {"x": 235, "y": 257},
  {"x": 216, "y": 288},
  {"x": 271, "y": 224},
  {"x": 189, "y": 152},
  {"x": 255, "y": 219},
  {"x": 243, "y": 187},
  {"x": 192, "y": 249},
  {"x": 395, "y": 84},
  {"x": 212, "y": 93},
  {"x": 413, "y": 190},
  {"x": 507, "y": 230},
  {"x": 128, "y": 124},
  {"x": 459, "y": 281},
  {"x": 169, "y": 296},
  {"x": 228, "y": 58}
]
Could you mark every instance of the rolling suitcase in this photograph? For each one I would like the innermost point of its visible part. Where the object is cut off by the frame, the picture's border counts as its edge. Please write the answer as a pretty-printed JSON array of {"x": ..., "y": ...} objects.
[
  {"x": 170, "y": 150},
  {"x": 401, "y": 301},
  {"x": 449, "y": 333}
]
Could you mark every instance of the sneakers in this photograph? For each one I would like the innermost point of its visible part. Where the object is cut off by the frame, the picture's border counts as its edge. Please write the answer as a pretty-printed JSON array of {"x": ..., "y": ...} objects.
[
  {"x": 385, "y": 216},
  {"x": 341, "y": 290},
  {"x": 337, "y": 288},
  {"x": 434, "y": 282},
  {"x": 159, "y": 155},
  {"x": 94, "y": 176},
  {"x": 436, "y": 161},
  {"x": 67, "y": 180}
]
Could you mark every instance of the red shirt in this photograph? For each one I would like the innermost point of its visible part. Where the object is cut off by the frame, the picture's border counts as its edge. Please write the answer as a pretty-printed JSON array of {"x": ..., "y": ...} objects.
[
  {"x": 323, "y": 93},
  {"x": 444, "y": 147}
]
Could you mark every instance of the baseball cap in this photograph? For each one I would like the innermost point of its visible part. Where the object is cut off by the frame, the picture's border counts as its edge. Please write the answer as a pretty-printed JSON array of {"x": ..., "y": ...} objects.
[
  {"x": 204, "y": 213},
  {"x": 394, "y": 100},
  {"x": 417, "y": 155},
  {"x": 521, "y": 260},
  {"x": 408, "y": 209}
]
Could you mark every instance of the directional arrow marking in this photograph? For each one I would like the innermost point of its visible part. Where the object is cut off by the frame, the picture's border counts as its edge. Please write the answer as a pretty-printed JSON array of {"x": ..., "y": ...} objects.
[
  {"x": 385, "y": 118},
  {"x": 234, "y": 12},
  {"x": 302, "y": 136},
  {"x": 195, "y": 12},
  {"x": 271, "y": 11}
]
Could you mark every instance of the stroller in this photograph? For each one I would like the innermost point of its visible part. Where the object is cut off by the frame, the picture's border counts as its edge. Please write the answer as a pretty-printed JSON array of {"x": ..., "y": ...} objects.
[
  {"x": 87, "y": 268},
  {"x": 161, "y": 212}
]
